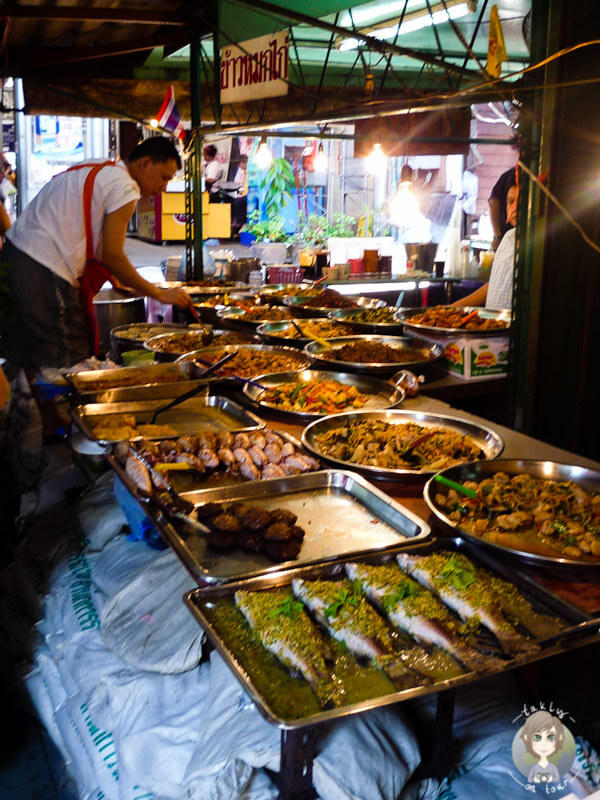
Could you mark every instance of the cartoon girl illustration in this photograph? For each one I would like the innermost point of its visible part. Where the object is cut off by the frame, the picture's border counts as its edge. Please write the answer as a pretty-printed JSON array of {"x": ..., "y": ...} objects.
[{"x": 543, "y": 736}]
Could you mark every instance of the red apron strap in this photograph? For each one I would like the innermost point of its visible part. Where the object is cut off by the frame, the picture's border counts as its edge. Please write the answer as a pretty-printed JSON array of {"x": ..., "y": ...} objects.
[{"x": 95, "y": 274}]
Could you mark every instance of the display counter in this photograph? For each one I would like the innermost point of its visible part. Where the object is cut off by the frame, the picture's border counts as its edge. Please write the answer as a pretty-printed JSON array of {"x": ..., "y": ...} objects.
[{"x": 162, "y": 218}]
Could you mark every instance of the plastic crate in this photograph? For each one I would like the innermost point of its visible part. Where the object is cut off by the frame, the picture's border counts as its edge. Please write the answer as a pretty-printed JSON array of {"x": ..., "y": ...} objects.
[{"x": 285, "y": 273}]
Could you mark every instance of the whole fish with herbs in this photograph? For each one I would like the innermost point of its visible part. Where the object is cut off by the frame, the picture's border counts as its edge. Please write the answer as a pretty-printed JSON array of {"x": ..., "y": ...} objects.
[
  {"x": 456, "y": 583},
  {"x": 341, "y": 607},
  {"x": 284, "y": 628},
  {"x": 417, "y": 611},
  {"x": 512, "y": 602}
]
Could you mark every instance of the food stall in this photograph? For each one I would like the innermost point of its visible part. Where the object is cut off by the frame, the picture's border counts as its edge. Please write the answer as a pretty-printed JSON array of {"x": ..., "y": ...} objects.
[{"x": 254, "y": 485}]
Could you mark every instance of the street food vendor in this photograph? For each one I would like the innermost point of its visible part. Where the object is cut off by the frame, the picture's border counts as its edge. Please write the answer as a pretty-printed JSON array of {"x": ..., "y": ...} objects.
[{"x": 67, "y": 242}]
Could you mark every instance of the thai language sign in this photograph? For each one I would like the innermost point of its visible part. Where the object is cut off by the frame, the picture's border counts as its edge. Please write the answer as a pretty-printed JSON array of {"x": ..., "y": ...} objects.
[{"x": 255, "y": 69}]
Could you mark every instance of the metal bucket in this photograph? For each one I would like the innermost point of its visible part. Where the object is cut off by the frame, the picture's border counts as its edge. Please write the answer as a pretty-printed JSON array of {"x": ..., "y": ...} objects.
[{"x": 112, "y": 311}]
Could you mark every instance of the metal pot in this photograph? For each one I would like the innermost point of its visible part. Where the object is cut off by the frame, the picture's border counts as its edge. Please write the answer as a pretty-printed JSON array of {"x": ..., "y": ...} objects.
[{"x": 112, "y": 311}]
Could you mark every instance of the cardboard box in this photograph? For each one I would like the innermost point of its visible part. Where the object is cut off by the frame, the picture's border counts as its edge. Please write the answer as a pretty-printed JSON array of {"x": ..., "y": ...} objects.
[{"x": 473, "y": 359}]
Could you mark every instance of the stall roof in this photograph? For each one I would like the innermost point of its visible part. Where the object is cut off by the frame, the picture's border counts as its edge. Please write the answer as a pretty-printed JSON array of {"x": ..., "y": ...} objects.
[{"x": 115, "y": 58}]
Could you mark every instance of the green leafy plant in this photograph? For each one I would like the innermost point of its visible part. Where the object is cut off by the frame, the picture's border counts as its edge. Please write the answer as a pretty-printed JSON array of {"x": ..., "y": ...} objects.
[
  {"x": 314, "y": 230},
  {"x": 277, "y": 182},
  {"x": 265, "y": 230}
]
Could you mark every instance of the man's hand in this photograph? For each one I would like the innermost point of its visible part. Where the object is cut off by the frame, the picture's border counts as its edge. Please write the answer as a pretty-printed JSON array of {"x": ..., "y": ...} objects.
[{"x": 176, "y": 297}]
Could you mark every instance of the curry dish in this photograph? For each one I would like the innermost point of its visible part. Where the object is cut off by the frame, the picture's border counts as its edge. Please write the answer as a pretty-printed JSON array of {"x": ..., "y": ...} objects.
[{"x": 455, "y": 317}]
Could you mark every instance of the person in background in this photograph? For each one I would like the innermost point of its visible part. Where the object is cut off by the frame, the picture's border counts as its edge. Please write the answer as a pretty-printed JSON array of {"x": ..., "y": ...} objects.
[
  {"x": 497, "y": 205},
  {"x": 4, "y": 221},
  {"x": 212, "y": 172},
  {"x": 48, "y": 272},
  {"x": 497, "y": 293}
]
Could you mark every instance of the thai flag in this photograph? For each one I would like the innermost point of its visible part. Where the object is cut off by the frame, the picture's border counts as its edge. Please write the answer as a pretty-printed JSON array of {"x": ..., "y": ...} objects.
[{"x": 168, "y": 115}]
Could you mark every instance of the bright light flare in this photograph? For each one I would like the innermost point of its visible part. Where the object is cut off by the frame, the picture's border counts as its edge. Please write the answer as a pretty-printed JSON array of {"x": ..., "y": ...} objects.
[
  {"x": 376, "y": 161},
  {"x": 263, "y": 156},
  {"x": 321, "y": 161}
]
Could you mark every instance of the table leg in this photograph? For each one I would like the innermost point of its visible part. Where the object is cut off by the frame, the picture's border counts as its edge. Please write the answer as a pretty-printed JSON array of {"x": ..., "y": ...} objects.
[{"x": 295, "y": 774}]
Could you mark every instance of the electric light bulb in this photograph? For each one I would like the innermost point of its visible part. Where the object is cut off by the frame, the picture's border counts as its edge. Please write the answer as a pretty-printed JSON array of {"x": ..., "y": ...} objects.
[
  {"x": 154, "y": 123},
  {"x": 320, "y": 162},
  {"x": 263, "y": 156},
  {"x": 376, "y": 161},
  {"x": 404, "y": 208}
]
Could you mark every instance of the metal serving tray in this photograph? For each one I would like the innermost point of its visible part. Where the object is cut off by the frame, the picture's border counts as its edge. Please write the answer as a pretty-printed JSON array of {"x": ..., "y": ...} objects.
[
  {"x": 101, "y": 380},
  {"x": 235, "y": 317},
  {"x": 248, "y": 670},
  {"x": 198, "y": 413},
  {"x": 588, "y": 479},
  {"x": 215, "y": 352},
  {"x": 383, "y": 395},
  {"x": 296, "y": 304},
  {"x": 276, "y": 332},
  {"x": 404, "y": 316},
  {"x": 488, "y": 440},
  {"x": 428, "y": 353},
  {"x": 339, "y": 511},
  {"x": 267, "y": 291},
  {"x": 346, "y": 315}
]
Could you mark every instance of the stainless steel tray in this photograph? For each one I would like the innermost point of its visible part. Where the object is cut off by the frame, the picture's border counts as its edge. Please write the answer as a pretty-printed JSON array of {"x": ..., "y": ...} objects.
[
  {"x": 383, "y": 394},
  {"x": 203, "y": 339},
  {"x": 428, "y": 353},
  {"x": 404, "y": 316},
  {"x": 296, "y": 303},
  {"x": 488, "y": 440},
  {"x": 235, "y": 317},
  {"x": 233, "y": 286},
  {"x": 250, "y": 670},
  {"x": 548, "y": 470},
  {"x": 212, "y": 354},
  {"x": 347, "y": 315},
  {"x": 340, "y": 512},
  {"x": 101, "y": 380},
  {"x": 276, "y": 332},
  {"x": 198, "y": 413},
  {"x": 267, "y": 291}
]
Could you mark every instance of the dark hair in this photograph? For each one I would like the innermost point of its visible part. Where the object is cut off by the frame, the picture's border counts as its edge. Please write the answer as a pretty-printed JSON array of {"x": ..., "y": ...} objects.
[
  {"x": 159, "y": 148},
  {"x": 210, "y": 150}
]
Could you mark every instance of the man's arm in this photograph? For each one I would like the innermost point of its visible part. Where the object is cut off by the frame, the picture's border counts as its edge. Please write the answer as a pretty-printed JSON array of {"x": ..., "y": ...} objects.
[
  {"x": 494, "y": 209},
  {"x": 114, "y": 258},
  {"x": 476, "y": 298}
]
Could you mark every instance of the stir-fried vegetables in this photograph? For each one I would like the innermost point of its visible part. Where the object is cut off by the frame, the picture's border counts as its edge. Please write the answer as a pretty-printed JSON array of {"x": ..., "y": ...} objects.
[
  {"x": 314, "y": 397},
  {"x": 559, "y": 514},
  {"x": 398, "y": 446}
]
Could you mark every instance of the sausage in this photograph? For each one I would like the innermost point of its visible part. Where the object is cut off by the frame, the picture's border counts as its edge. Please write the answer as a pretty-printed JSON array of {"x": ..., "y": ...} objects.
[
  {"x": 288, "y": 449},
  {"x": 297, "y": 461},
  {"x": 257, "y": 439},
  {"x": 273, "y": 438},
  {"x": 272, "y": 471},
  {"x": 273, "y": 453},
  {"x": 225, "y": 455},
  {"x": 139, "y": 475},
  {"x": 249, "y": 471},
  {"x": 258, "y": 456},
  {"x": 208, "y": 457},
  {"x": 241, "y": 440},
  {"x": 224, "y": 439}
]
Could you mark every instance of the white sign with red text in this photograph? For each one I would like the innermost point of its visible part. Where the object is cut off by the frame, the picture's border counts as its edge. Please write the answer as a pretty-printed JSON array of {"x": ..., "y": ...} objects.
[{"x": 256, "y": 68}]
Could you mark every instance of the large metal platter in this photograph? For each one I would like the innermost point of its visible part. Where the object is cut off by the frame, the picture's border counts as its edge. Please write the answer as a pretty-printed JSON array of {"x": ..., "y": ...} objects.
[
  {"x": 296, "y": 303},
  {"x": 268, "y": 685},
  {"x": 488, "y": 440},
  {"x": 404, "y": 316},
  {"x": 207, "y": 311},
  {"x": 244, "y": 337},
  {"x": 213, "y": 413},
  {"x": 339, "y": 511},
  {"x": 276, "y": 332},
  {"x": 232, "y": 286},
  {"x": 120, "y": 342},
  {"x": 204, "y": 338},
  {"x": 213, "y": 354},
  {"x": 384, "y": 395},
  {"x": 347, "y": 315},
  {"x": 427, "y": 354},
  {"x": 100, "y": 380},
  {"x": 548, "y": 470},
  {"x": 235, "y": 317},
  {"x": 268, "y": 291}
]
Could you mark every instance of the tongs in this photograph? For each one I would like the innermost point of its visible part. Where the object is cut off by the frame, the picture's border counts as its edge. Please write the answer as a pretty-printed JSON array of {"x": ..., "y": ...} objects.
[
  {"x": 307, "y": 335},
  {"x": 192, "y": 392},
  {"x": 262, "y": 386}
]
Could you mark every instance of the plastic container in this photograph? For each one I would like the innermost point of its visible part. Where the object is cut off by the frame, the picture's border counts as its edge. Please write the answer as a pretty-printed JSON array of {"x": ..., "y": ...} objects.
[
  {"x": 371, "y": 260},
  {"x": 285, "y": 273}
]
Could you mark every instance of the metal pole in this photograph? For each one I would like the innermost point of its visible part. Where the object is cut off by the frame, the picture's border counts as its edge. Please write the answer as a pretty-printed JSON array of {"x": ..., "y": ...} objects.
[
  {"x": 195, "y": 270},
  {"x": 21, "y": 147}
]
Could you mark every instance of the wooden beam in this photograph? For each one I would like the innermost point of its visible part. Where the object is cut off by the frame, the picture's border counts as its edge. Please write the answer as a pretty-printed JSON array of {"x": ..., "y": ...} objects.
[{"x": 94, "y": 14}]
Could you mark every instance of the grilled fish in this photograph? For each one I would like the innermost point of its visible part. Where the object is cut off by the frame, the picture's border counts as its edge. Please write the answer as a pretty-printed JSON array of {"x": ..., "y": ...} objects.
[
  {"x": 460, "y": 589},
  {"x": 341, "y": 607},
  {"x": 284, "y": 628},
  {"x": 512, "y": 602},
  {"x": 416, "y": 610}
]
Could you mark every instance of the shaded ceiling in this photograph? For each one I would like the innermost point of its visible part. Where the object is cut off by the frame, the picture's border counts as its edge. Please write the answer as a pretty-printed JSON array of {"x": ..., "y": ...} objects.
[{"x": 116, "y": 58}]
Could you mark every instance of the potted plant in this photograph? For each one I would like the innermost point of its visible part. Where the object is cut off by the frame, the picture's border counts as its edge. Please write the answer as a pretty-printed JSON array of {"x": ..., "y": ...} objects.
[
  {"x": 268, "y": 228},
  {"x": 313, "y": 232}
]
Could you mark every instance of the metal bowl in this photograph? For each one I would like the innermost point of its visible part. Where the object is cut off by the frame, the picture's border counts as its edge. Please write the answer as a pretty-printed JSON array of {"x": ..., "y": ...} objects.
[
  {"x": 488, "y": 440},
  {"x": 588, "y": 479},
  {"x": 269, "y": 290},
  {"x": 212, "y": 354},
  {"x": 236, "y": 318},
  {"x": 384, "y": 394},
  {"x": 204, "y": 338},
  {"x": 323, "y": 311},
  {"x": 276, "y": 332},
  {"x": 428, "y": 353},
  {"x": 346, "y": 316},
  {"x": 244, "y": 338},
  {"x": 208, "y": 312},
  {"x": 404, "y": 316},
  {"x": 232, "y": 286},
  {"x": 120, "y": 342}
]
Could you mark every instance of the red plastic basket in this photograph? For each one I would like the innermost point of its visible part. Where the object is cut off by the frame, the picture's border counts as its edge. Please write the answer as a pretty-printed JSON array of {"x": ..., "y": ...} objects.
[{"x": 285, "y": 273}]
